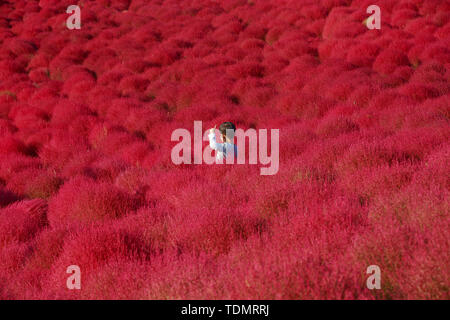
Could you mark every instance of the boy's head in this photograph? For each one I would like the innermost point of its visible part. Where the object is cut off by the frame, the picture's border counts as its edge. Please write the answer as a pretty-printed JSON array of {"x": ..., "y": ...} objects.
[{"x": 230, "y": 127}]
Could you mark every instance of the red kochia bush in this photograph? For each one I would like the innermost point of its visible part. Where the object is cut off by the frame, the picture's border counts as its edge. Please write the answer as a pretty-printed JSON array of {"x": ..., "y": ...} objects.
[
  {"x": 336, "y": 124},
  {"x": 12, "y": 258},
  {"x": 434, "y": 174},
  {"x": 84, "y": 201},
  {"x": 210, "y": 230},
  {"x": 114, "y": 76},
  {"x": 45, "y": 250},
  {"x": 19, "y": 47},
  {"x": 245, "y": 69},
  {"x": 21, "y": 221},
  {"x": 389, "y": 59},
  {"x": 140, "y": 120},
  {"x": 18, "y": 181},
  {"x": 66, "y": 111},
  {"x": 133, "y": 86},
  {"x": 39, "y": 75},
  {"x": 131, "y": 278},
  {"x": 85, "y": 123},
  {"x": 419, "y": 92},
  {"x": 133, "y": 180},
  {"x": 339, "y": 24},
  {"x": 9, "y": 67},
  {"x": 8, "y": 145},
  {"x": 380, "y": 180},
  {"x": 100, "y": 60},
  {"x": 78, "y": 83},
  {"x": 363, "y": 54},
  {"x": 120, "y": 108},
  {"x": 73, "y": 52},
  {"x": 14, "y": 163},
  {"x": 439, "y": 52},
  {"x": 163, "y": 55},
  {"x": 93, "y": 248},
  {"x": 100, "y": 97},
  {"x": 135, "y": 152},
  {"x": 39, "y": 60},
  {"x": 7, "y": 197},
  {"x": 400, "y": 17},
  {"x": 61, "y": 148},
  {"x": 41, "y": 185},
  {"x": 5, "y": 104},
  {"x": 28, "y": 118},
  {"x": 54, "y": 4}
]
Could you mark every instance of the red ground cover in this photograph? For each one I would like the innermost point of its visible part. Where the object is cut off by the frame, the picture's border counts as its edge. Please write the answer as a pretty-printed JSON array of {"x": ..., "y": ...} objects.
[{"x": 86, "y": 176}]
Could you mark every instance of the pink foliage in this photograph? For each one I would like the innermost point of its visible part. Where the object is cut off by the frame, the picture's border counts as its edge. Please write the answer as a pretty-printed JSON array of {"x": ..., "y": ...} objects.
[
  {"x": 86, "y": 177},
  {"x": 20, "y": 221},
  {"x": 83, "y": 201}
]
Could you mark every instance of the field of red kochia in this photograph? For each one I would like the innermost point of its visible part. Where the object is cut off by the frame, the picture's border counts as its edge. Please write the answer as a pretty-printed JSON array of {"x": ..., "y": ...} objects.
[{"x": 86, "y": 176}]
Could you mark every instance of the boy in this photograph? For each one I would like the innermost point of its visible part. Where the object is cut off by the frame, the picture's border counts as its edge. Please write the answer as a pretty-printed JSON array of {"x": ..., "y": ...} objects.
[{"x": 228, "y": 148}]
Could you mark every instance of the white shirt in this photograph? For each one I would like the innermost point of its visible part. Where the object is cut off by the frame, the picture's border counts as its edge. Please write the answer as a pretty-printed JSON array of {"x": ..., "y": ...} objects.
[{"x": 222, "y": 149}]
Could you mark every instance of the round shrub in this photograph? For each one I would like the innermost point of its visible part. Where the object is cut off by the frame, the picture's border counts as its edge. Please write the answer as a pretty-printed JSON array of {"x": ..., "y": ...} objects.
[
  {"x": 10, "y": 145},
  {"x": 42, "y": 185},
  {"x": 28, "y": 119},
  {"x": 163, "y": 55},
  {"x": 13, "y": 163},
  {"x": 133, "y": 86},
  {"x": 66, "y": 111},
  {"x": 93, "y": 248},
  {"x": 210, "y": 231},
  {"x": 76, "y": 75},
  {"x": 133, "y": 180},
  {"x": 140, "y": 120},
  {"x": 100, "y": 60},
  {"x": 12, "y": 259},
  {"x": 243, "y": 70},
  {"x": 85, "y": 201},
  {"x": 363, "y": 54},
  {"x": 20, "y": 221},
  {"x": 389, "y": 59},
  {"x": 419, "y": 91},
  {"x": 399, "y": 18},
  {"x": 334, "y": 125},
  {"x": 7, "y": 197},
  {"x": 135, "y": 153},
  {"x": 61, "y": 148},
  {"x": 39, "y": 75},
  {"x": 20, "y": 47},
  {"x": 120, "y": 108}
]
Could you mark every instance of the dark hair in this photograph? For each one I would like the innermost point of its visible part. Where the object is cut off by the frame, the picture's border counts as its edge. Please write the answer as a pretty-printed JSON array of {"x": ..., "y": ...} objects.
[{"x": 226, "y": 126}]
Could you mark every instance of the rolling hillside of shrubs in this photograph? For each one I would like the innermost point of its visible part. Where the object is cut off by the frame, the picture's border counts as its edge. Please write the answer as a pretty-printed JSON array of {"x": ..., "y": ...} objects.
[{"x": 86, "y": 176}]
